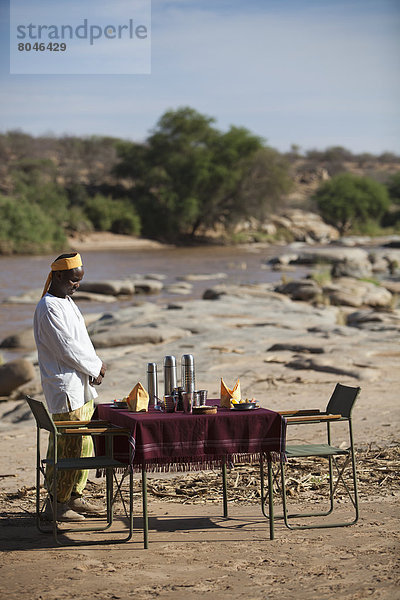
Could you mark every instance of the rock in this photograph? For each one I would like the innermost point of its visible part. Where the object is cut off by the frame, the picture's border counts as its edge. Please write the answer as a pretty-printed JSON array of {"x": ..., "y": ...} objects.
[
  {"x": 156, "y": 276},
  {"x": 136, "y": 335},
  {"x": 182, "y": 288},
  {"x": 147, "y": 286},
  {"x": 392, "y": 286},
  {"x": 14, "y": 374},
  {"x": 385, "y": 260},
  {"x": 109, "y": 287},
  {"x": 132, "y": 315},
  {"x": 374, "y": 321},
  {"x": 261, "y": 290},
  {"x": 202, "y": 276},
  {"x": 214, "y": 293},
  {"x": 378, "y": 263},
  {"x": 296, "y": 348},
  {"x": 31, "y": 297},
  {"x": 283, "y": 259},
  {"x": 23, "y": 340},
  {"x": 306, "y": 226},
  {"x": 394, "y": 242},
  {"x": 353, "y": 292},
  {"x": 300, "y": 289},
  {"x": 269, "y": 228},
  {"x": 91, "y": 297},
  {"x": 332, "y": 255},
  {"x": 350, "y": 268},
  {"x": 353, "y": 240}
]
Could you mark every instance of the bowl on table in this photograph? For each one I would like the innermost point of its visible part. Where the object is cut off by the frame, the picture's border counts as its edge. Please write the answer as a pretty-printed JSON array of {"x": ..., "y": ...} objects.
[
  {"x": 120, "y": 404},
  {"x": 244, "y": 406}
]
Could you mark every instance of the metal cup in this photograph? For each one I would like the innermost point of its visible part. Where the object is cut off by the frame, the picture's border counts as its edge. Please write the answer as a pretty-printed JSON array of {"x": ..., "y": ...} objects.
[
  {"x": 187, "y": 399},
  {"x": 169, "y": 402},
  {"x": 196, "y": 399},
  {"x": 203, "y": 397}
]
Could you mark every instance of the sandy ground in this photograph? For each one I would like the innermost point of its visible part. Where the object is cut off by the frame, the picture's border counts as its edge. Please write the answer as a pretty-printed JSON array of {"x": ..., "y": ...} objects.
[
  {"x": 111, "y": 241},
  {"x": 194, "y": 552}
]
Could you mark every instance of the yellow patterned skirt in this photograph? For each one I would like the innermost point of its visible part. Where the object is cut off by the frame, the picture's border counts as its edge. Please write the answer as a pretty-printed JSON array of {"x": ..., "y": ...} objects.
[{"x": 69, "y": 482}]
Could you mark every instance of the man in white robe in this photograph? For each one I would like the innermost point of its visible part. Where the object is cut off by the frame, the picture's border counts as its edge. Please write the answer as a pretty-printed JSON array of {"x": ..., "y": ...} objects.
[{"x": 69, "y": 368}]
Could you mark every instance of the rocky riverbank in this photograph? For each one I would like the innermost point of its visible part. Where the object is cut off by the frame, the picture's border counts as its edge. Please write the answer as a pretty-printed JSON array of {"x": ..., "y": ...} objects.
[{"x": 288, "y": 343}]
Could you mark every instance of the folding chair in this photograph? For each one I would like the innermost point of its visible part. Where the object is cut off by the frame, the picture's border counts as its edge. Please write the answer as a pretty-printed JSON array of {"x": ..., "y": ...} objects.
[
  {"x": 338, "y": 409},
  {"x": 106, "y": 463}
]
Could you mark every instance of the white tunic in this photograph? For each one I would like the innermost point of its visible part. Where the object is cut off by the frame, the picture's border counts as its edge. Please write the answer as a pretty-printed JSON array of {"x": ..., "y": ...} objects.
[{"x": 66, "y": 354}]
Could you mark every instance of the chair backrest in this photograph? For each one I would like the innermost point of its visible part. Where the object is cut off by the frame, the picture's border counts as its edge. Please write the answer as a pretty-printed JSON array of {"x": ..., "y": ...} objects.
[
  {"x": 342, "y": 400},
  {"x": 41, "y": 414}
]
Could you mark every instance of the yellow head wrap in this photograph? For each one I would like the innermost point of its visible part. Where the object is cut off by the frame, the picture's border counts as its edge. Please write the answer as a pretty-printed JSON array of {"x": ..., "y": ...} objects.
[{"x": 62, "y": 264}]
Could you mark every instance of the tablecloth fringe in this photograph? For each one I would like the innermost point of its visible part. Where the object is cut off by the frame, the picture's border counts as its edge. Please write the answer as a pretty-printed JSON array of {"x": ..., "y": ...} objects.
[{"x": 201, "y": 464}]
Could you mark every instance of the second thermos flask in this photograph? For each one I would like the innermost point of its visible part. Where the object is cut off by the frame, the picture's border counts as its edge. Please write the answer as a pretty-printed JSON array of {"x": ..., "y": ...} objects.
[{"x": 170, "y": 378}]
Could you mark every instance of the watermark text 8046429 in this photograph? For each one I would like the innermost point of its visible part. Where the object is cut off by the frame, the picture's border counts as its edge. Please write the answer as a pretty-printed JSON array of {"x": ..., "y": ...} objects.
[{"x": 42, "y": 47}]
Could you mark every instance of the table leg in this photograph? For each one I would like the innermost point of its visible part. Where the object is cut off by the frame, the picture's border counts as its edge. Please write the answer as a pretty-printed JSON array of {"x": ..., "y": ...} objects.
[
  {"x": 144, "y": 502},
  {"x": 224, "y": 491},
  {"x": 270, "y": 501}
]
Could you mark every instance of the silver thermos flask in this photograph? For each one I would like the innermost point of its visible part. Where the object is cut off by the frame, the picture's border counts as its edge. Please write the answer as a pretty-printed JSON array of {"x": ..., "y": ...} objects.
[
  {"x": 169, "y": 375},
  {"x": 188, "y": 375},
  {"x": 152, "y": 384}
]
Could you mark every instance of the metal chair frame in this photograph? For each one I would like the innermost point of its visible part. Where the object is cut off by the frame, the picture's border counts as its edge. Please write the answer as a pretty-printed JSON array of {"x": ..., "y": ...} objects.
[
  {"x": 107, "y": 463},
  {"x": 339, "y": 408}
]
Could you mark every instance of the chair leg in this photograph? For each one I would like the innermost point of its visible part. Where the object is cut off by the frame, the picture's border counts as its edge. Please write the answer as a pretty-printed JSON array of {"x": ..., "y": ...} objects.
[
  {"x": 332, "y": 490},
  {"x": 271, "y": 501},
  {"x": 144, "y": 503}
]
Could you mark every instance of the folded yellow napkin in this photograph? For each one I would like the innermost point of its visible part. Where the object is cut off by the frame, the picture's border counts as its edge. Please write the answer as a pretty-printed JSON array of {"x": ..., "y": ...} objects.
[
  {"x": 138, "y": 399},
  {"x": 229, "y": 396}
]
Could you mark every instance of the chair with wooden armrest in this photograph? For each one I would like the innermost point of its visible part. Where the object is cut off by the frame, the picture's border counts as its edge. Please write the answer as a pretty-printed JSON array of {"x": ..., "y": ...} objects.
[
  {"x": 339, "y": 409},
  {"x": 106, "y": 463}
]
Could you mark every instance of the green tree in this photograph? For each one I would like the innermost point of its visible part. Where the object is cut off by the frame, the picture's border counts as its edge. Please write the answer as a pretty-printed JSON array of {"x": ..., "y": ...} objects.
[
  {"x": 348, "y": 200},
  {"x": 393, "y": 187},
  {"x": 190, "y": 176}
]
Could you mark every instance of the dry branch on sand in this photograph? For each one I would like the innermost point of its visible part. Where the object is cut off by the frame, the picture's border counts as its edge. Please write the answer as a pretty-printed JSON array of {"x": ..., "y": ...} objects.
[{"x": 377, "y": 476}]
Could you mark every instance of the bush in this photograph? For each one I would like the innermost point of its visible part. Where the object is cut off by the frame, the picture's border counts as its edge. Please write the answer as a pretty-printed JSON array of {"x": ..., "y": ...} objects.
[
  {"x": 78, "y": 220},
  {"x": 26, "y": 228},
  {"x": 348, "y": 201},
  {"x": 107, "y": 214}
]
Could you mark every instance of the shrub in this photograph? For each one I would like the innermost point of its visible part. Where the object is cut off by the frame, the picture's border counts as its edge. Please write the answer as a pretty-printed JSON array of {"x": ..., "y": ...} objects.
[
  {"x": 348, "y": 201},
  {"x": 26, "y": 228},
  {"x": 107, "y": 214}
]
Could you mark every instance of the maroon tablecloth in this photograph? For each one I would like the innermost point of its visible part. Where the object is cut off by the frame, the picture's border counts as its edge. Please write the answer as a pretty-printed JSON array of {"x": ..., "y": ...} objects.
[{"x": 178, "y": 441}]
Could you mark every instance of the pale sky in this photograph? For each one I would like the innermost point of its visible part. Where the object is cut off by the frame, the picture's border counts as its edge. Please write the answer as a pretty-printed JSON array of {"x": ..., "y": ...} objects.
[{"x": 315, "y": 73}]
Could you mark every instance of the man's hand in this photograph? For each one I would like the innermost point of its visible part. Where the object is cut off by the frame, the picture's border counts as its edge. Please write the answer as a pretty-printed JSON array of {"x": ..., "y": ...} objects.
[{"x": 97, "y": 380}]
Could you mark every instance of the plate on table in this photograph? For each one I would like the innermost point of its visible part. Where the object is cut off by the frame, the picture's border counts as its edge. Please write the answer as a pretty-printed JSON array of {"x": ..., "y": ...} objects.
[
  {"x": 245, "y": 406},
  {"x": 120, "y": 405}
]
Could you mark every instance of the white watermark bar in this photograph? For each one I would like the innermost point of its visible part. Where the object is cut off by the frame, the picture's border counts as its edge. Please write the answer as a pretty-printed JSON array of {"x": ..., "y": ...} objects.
[{"x": 70, "y": 37}]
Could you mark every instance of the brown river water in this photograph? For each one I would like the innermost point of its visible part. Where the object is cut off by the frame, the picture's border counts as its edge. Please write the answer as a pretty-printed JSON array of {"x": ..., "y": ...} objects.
[{"x": 242, "y": 265}]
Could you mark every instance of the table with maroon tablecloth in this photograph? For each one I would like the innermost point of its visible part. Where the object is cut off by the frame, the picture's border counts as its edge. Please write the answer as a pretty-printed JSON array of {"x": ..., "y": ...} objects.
[
  {"x": 177, "y": 441},
  {"x": 161, "y": 441}
]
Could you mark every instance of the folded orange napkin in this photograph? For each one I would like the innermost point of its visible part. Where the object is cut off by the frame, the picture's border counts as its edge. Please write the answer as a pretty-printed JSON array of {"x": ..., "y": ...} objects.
[
  {"x": 138, "y": 399},
  {"x": 228, "y": 395}
]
